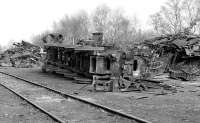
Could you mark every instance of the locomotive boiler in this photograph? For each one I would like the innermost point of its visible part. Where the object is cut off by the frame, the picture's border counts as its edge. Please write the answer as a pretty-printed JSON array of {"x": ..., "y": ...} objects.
[{"x": 87, "y": 59}]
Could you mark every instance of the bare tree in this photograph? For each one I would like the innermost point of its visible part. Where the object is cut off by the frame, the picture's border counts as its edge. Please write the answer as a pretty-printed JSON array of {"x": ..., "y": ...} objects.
[
  {"x": 73, "y": 28},
  {"x": 38, "y": 39},
  {"x": 118, "y": 27},
  {"x": 159, "y": 24},
  {"x": 100, "y": 17},
  {"x": 176, "y": 16},
  {"x": 62, "y": 26},
  {"x": 168, "y": 20},
  {"x": 192, "y": 16},
  {"x": 79, "y": 26}
]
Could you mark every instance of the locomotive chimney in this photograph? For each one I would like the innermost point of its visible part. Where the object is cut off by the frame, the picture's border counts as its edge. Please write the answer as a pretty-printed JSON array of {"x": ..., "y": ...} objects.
[{"x": 98, "y": 38}]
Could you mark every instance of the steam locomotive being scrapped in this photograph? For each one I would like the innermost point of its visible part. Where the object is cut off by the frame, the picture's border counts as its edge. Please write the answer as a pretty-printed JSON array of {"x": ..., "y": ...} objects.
[
  {"x": 178, "y": 55},
  {"x": 87, "y": 58}
]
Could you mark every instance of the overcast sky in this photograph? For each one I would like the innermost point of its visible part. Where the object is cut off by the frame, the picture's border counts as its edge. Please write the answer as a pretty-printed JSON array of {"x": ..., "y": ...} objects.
[{"x": 20, "y": 19}]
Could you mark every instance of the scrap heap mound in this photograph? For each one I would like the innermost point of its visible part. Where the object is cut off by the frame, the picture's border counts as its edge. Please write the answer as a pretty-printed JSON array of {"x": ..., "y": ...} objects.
[
  {"x": 22, "y": 55},
  {"x": 179, "y": 55}
]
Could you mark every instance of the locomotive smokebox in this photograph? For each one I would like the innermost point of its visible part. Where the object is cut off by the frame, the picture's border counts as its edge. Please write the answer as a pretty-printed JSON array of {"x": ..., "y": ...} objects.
[{"x": 98, "y": 38}]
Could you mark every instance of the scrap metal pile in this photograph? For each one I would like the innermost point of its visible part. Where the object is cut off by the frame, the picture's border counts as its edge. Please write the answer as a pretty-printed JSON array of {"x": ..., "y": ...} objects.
[
  {"x": 179, "y": 55},
  {"x": 22, "y": 55}
]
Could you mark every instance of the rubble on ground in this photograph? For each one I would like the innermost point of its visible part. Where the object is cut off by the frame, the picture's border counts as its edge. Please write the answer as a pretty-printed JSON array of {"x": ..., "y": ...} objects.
[
  {"x": 22, "y": 55},
  {"x": 178, "y": 55}
]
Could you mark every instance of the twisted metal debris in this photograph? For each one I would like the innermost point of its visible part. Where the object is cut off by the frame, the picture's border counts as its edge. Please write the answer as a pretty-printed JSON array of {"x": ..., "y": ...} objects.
[
  {"x": 179, "y": 55},
  {"x": 23, "y": 54}
]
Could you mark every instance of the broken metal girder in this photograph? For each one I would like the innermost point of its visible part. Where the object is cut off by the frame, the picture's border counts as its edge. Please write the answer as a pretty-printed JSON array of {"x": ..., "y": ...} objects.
[{"x": 127, "y": 85}]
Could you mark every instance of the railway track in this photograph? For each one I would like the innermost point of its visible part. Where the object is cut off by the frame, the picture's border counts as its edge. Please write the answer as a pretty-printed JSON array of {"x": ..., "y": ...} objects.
[
  {"x": 34, "y": 105},
  {"x": 105, "y": 112}
]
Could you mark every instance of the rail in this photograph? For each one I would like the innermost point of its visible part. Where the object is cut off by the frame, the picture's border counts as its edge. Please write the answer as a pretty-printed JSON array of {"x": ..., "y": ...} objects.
[{"x": 108, "y": 109}]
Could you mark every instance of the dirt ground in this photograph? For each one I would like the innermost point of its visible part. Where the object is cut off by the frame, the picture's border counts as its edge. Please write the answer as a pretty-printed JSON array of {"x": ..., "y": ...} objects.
[
  {"x": 69, "y": 110},
  {"x": 157, "y": 105},
  {"x": 15, "y": 110}
]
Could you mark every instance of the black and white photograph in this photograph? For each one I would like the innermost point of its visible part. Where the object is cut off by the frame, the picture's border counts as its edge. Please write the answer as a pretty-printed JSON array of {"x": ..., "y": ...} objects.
[{"x": 100, "y": 61}]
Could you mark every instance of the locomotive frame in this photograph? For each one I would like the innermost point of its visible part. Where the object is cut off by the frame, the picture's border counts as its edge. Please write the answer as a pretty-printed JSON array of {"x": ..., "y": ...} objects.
[{"x": 87, "y": 60}]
